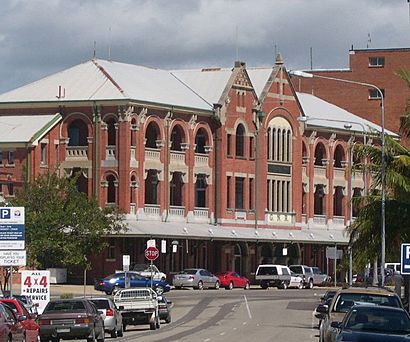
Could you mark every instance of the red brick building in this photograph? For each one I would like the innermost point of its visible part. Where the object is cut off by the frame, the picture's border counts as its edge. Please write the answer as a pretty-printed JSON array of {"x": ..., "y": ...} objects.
[
  {"x": 374, "y": 66},
  {"x": 213, "y": 164}
]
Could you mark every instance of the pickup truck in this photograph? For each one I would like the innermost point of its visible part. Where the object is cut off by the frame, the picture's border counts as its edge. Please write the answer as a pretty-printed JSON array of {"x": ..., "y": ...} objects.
[
  {"x": 273, "y": 275},
  {"x": 138, "y": 306}
]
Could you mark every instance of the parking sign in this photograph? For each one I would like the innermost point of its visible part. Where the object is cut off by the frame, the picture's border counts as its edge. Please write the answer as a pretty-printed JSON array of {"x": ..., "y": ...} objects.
[{"x": 405, "y": 258}]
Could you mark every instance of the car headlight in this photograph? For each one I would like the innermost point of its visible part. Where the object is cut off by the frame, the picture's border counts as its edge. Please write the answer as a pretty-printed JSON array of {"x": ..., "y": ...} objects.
[{"x": 113, "y": 281}]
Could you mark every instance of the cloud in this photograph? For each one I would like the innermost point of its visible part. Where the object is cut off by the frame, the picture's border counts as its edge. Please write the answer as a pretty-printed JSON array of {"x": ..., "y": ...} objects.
[{"x": 41, "y": 37}]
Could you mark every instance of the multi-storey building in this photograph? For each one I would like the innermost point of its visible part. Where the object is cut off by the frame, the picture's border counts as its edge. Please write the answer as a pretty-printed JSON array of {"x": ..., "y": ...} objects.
[
  {"x": 378, "y": 67},
  {"x": 212, "y": 163}
]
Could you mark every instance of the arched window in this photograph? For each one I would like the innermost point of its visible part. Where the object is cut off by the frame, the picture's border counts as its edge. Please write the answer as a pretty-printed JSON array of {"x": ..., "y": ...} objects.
[
  {"x": 152, "y": 135},
  {"x": 132, "y": 188},
  {"x": 320, "y": 154},
  {"x": 339, "y": 156},
  {"x": 201, "y": 141},
  {"x": 240, "y": 141},
  {"x": 133, "y": 132},
  {"x": 111, "y": 192},
  {"x": 151, "y": 187},
  {"x": 200, "y": 191},
  {"x": 319, "y": 200},
  {"x": 338, "y": 203},
  {"x": 112, "y": 132},
  {"x": 177, "y": 138},
  {"x": 176, "y": 186},
  {"x": 77, "y": 133}
]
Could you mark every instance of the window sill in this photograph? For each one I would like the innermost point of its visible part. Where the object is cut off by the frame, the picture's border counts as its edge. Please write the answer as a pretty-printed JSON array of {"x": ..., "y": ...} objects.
[
  {"x": 376, "y": 66},
  {"x": 43, "y": 166},
  {"x": 9, "y": 165}
]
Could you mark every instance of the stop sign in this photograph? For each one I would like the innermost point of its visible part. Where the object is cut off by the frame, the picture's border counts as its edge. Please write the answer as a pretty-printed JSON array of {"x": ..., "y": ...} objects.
[{"x": 151, "y": 253}]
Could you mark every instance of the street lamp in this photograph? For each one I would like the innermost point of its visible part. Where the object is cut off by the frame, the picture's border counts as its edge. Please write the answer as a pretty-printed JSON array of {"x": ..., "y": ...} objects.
[
  {"x": 383, "y": 161},
  {"x": 347, "y": 125}
]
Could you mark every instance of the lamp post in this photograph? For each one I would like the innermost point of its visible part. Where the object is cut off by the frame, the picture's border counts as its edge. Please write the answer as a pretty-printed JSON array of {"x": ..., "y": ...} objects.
[
  {"x": 347, "y": 125},
  {"x": 383, "y": 161}
]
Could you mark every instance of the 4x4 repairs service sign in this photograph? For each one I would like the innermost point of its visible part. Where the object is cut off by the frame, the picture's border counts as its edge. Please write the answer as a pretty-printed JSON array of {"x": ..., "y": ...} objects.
[
  {"x": 36, "y": 284},
  {"x": 12, "y": 228}
]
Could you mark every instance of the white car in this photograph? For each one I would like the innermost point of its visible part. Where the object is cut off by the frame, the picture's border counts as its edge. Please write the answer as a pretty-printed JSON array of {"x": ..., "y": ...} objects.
[
  {"x": 295, "y": 281},
  {"x": 148, "y": 271}
]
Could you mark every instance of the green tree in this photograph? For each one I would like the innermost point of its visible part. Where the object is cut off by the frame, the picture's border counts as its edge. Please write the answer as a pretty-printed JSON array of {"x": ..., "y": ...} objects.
[
  {"x": 365, "y": 232},
  {"x": 62, "y": 224}
]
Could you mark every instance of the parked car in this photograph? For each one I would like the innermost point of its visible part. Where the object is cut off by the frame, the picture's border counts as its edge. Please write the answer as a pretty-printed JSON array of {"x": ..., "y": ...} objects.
[
  {"x": 373, "y": 323},
  {"x": 273, "y": 275},
  {"x": 198, "y": 278},
  {"x": 71, "y": 319},
  {"x": 148, "y": 270},
  {"x": 229, "y": 280},
  {"x": 111, "y": 316},
  {"x": 10, "y": 326},
  {"x": 319, "y": 278},
  {"x": 117, "y": 281},
  {"x": 164, "y": 309},
  {"x": 305, "y": 272},
  {"x": 344, "y": 299},
  {"x": 295, "y": 281},
  {"x": 30, "y": 327}
]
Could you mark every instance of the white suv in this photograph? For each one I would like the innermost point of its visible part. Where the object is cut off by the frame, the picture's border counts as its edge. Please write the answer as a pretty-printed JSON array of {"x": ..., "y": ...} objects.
[
  {"x": 146, "y": 271},
  {"x": 273, "y": 275},
  {"x": 305, "y": 272}
]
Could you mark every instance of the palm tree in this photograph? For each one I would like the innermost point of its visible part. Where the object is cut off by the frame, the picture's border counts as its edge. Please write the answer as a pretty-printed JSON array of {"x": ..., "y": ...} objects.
[{"x": 365, "y": 232}]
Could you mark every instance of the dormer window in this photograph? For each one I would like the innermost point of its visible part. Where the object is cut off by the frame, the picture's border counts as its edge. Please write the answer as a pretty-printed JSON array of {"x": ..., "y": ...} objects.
[{"x": 376, "y": 62}]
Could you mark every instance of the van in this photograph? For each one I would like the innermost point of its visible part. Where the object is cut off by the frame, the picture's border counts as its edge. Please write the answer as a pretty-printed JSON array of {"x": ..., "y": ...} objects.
[
  {"x": 273, "y": 275},
  {"x": 395, "y": 266}
]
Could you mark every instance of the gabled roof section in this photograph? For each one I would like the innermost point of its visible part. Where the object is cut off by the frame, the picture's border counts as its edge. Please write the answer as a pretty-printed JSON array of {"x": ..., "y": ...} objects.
[
  {"x": 105, "y": 80},
  {"x": 20, "y": 130},
  {"x": 209, "y": 83},
  {"x": 320, "y": 113}
]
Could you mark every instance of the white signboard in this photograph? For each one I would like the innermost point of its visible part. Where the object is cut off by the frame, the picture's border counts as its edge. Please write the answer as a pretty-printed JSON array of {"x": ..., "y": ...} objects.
[
  {"x": 126, "y": 263},
  {"x": 332, "y": 251},
  {"x": 12, "y": 230},
  {"x": 12, "y": 258},
  {"x": 151, "y": 243},
  {"x": 163, "y": 246},
  {"x": 36, "y": 284}
]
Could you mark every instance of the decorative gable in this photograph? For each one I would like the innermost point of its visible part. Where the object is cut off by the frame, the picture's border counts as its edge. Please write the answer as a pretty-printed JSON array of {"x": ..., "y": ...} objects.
[{"x": 242, "y": 81}]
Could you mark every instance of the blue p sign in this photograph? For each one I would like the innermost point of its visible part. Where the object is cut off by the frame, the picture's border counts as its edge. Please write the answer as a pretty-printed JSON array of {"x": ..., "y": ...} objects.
[
  {"x": 5, "y": 214},
  {"x": 405, "y": 258}
]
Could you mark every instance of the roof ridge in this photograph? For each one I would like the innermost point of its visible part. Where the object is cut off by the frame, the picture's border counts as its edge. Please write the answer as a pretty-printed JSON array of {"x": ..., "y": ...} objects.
[{"x": 106, "y": 74}]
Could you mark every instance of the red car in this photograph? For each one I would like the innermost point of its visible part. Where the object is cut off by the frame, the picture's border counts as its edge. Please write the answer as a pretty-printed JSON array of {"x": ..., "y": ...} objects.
[
  {"x": 229, "y": 280},
  {"x": 30, "y": 327}
]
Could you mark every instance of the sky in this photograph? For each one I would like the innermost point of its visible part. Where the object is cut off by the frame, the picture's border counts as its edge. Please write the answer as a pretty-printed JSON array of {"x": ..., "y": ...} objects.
[{"x": 41, "y": 37}]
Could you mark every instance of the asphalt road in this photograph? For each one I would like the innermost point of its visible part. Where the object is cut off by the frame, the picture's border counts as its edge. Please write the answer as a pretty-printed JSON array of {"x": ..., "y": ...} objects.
[{"x": 237, "y": 315}]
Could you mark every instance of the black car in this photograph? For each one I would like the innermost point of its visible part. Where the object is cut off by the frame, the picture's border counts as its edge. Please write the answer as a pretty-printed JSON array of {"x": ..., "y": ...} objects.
[
  {"x": 373, "y": 323},
  {"x": 164, "y": 309}
]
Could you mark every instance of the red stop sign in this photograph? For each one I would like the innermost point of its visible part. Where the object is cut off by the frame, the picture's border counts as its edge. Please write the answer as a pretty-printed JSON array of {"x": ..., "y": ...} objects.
[{"x": 151, "y": 253}]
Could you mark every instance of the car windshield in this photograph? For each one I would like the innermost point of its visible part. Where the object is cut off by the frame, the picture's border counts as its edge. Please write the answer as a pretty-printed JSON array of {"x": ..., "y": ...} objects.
[
  {"x": 116, "y": 275},
  {"x": 189, "y": 271},
  {"x": 142, "y": 268},
  {"x": 379, "y": 320},
  {"x": 101, "y": 303},
  {"x": 267, "y": 270},
  {"x": 296, "y": 269},
  {"x": 346, "y": 300},
  {"x": 71, "y": 305}
]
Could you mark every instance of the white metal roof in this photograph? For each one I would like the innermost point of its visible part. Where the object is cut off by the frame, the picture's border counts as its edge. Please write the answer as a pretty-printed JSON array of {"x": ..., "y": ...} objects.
[
  {"x": 24, "y": 128},
  {"x": 320, "y": 113},
  {"x": 208, "y": 83},
  {"x": 106, "y": 80},
  {"x": 259, "y": 77},
  {"x": 208, "y": 231}
]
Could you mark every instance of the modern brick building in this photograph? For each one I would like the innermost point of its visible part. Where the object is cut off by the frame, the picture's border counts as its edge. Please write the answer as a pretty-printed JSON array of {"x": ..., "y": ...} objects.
[
  {"x": 212, "y": 163},
  {"x": 374, "y": 66}
]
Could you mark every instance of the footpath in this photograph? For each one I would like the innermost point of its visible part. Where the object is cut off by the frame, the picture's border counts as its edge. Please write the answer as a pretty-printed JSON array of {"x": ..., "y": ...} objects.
[{"x": 67, "y": 291}]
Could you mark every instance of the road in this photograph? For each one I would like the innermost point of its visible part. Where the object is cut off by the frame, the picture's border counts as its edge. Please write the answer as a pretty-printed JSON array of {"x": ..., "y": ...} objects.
[{"x": 237, "y": 315}]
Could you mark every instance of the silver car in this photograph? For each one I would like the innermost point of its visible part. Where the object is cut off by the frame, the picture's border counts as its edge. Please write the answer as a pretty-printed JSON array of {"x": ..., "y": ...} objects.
[
  {"x": 111, "y": 316},
  {"x": 198, "y": 278}
]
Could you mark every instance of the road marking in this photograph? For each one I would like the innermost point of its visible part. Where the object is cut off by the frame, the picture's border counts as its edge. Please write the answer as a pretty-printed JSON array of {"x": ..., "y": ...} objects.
[
  {"x": 247, "y": 307},
  {"x": 222, "y": 333},
  {"x": 206, "y": 340}
]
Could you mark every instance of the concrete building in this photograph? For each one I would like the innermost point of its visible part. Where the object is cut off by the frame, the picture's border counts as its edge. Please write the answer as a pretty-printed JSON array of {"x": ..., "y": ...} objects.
[{"x": 212, "y": 163}]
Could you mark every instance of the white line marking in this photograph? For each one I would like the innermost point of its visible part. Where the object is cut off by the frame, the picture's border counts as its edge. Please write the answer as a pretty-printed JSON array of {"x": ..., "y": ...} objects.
[
  {"x": 206, "y": 340},
  {"x": 222, "y": 333},
  {"x": 247, "y": 307}
]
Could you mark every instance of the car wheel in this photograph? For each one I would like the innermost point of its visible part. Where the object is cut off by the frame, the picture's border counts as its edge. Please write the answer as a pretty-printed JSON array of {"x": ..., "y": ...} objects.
[
  {"x": 264, "y": 285},
  {"x": 168, "y": 319},
  {"x": 217, "y": 285},
  {"x": 178, "y": 287},
  {"x": 120, "y": 332},
  {"x": 101, "y": 338},
  {"x": 124, "y": 327},
  {"x": 284, "y": 285},
  {"x": 230, "y": 286},
  {"x": 310, "y": 284},
  {"x": 300, "y": 286},
  {"x": 152, "y": 326},
  {"x": 247, "y": 286},
  {"x": 108, "y": 293},
  {"x": 113, "y": 332},
  {"x": 92, "y": 337},
  {"x": 200, "y": 285},
  {"x": 159, "y": 290},
  {"x": 158, "y": 323}
]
